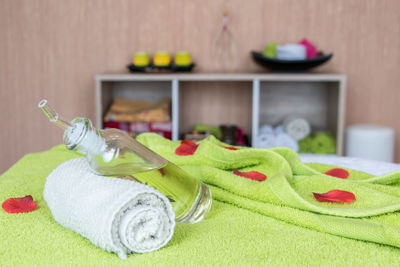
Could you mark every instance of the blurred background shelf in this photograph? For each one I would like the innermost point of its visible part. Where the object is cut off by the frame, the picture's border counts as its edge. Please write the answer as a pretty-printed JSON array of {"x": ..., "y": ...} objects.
[{"x": 246, "y": 100}]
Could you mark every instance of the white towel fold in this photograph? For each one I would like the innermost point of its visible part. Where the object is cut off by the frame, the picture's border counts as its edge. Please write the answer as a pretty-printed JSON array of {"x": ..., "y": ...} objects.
[
  {"x": 270, "y": 137},
  {"x": 279, "y": 129},
  {"x": 266, "y": 129},
  {"x": 266, "y": 140},
  {"x": 117, "y": 215},
  {"x": 291, "y": 52},
  {"x": 285, "y": 140}
]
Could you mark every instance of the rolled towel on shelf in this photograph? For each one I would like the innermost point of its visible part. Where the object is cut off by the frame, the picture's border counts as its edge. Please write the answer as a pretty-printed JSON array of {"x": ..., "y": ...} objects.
[
  {"x": 117, "y": 215},
  {"x": 285, "y": 140},
  {"x": 297, "y": 127},
  {"x": 266, "y": 128},
  {"x": 311, "y": 50},
  {"x": 279, "y": 129},
  {"x": 266, "y": 140},
  {"x": 323, "y": 143},
  {"x": 305, "y": 144},
  {"x": 291, "y": 52}
]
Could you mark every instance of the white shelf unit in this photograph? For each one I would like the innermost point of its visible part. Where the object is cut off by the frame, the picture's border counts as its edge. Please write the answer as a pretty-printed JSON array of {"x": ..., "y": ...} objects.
[{"x": 320, "y": 98}]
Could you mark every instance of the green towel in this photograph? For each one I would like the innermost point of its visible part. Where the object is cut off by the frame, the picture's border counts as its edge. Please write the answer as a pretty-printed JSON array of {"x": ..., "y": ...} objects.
[
  {"x": 274, "y": 222},
  {"x": 323, "y": 143},
  {"x": 289, "y": 188},
  {"x": 270, "y": 50},
  {"x": 305, "y": 144},
  {"x": 214, "y": 130},
  {"x": 318, "y": 143}
]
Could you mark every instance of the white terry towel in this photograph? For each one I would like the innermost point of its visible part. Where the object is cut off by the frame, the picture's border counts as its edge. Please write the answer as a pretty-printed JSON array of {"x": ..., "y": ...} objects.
[
  {"x": 269, "y": 137},
  {"x": 291, "y": 52},
  {"x": 117, "y": 215},
  {"x": 268, "y": 129},
  {"x": 266, "y": 140},
  {"x": 279, "y": 129},
  {"x": 296, "y": 127},
  {"x": 285, "y": 140}
]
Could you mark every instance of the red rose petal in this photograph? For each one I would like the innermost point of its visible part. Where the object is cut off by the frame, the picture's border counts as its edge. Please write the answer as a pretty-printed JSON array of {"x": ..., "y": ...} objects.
[
  {"x": 230, "y": 147},
  {"x": 253, "y": 175},
  {"x": 186, "y": 148},
  {"x": 188, "y": 142},
  {"x": 162, "y": 171},
  {"x": 335, "y": 196},
  {"x": 338, "y": 172},
  {"x": 18, "y": 205}
]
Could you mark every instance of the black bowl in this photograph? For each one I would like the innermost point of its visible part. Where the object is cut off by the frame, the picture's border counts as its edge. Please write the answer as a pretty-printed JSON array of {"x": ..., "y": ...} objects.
[
  {"x": 156, "y": 69},
  {"x": 289, "y": 65}
]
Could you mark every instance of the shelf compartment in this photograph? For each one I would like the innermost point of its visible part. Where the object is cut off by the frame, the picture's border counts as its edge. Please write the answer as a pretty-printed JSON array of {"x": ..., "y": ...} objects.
[
  {"x": 215, "y": 103},
  {"x": 321, "y": 103},
  {"x": 153, "y": 91}
]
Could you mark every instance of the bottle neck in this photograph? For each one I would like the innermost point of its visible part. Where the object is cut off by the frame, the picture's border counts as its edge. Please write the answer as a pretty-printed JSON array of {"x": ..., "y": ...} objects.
[{"x": 81, "y": 136}]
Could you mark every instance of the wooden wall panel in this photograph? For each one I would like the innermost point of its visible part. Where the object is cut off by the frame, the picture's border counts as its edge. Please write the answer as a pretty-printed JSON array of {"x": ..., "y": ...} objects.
[{"x": 52, "y": 49}]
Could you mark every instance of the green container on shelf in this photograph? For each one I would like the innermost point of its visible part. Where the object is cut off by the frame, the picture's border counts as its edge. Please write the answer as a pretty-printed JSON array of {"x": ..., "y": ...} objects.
[
  {"x": 183, "y": 59},
  {"x": 141, "y": 59}
]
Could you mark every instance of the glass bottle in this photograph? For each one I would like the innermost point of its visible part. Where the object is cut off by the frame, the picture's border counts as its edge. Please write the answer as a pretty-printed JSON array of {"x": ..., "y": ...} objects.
[{"x": 112, "y": 152}]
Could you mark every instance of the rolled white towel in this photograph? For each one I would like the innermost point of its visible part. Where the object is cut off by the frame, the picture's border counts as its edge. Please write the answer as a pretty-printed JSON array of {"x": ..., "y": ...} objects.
[
  {"x": 279, "y": 129},
  {"x": 266, "y": 140},
  {"x": 296, "y": 127},
  {"x": 285, "y": 140},
  {"x": 117, "y": 215},
  {"x": 291, "y": 52},
  {"x": 266, "y": 129}
]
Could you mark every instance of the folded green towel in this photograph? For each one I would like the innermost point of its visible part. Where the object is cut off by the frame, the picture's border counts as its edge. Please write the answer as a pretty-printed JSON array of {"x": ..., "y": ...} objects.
[
  {"x": 323, "y": 143},
  {"x": 214, "y": 130},
  {"x": 305, "y": 144},
  {"x": 236, "y": 232},
  {"x": 318, "y": 143}
]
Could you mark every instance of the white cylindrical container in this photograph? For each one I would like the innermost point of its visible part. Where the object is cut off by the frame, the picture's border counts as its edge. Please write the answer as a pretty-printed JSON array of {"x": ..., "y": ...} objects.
[{"x": 370, "y": 142}]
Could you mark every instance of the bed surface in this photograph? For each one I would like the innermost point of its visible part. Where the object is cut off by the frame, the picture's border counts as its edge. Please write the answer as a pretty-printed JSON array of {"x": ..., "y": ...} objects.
[
  {"x": 373, "y": 167},
  {"x": 220, "y": 240}
]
